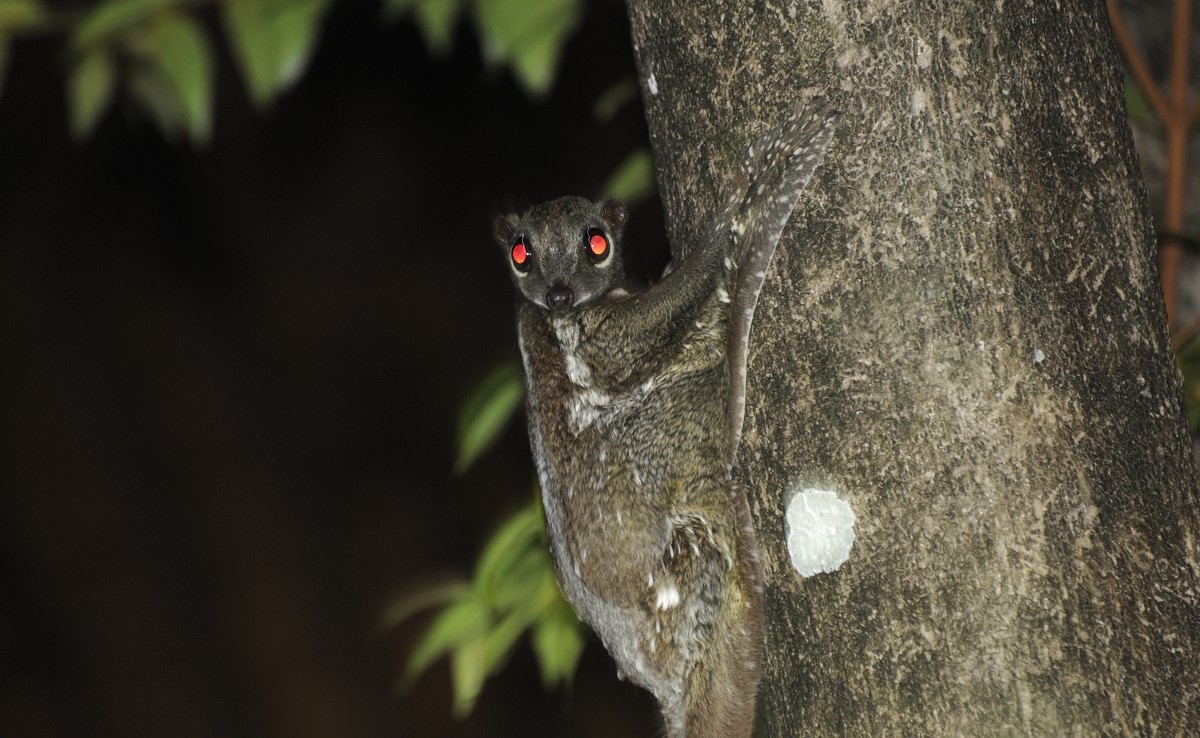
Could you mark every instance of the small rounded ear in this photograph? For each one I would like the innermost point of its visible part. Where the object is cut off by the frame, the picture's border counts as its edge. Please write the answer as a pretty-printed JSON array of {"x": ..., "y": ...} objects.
[
  {"x": 504, "y": 228},
  {"x": 614, "y": 214}
]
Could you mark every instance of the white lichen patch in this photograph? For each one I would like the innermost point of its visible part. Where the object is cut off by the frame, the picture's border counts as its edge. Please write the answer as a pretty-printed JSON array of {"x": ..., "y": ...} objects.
[{"x": 820, "y": 531}]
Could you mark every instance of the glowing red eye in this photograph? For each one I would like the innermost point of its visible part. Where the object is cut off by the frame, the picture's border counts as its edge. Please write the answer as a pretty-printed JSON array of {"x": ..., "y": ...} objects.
[
  {"x": 598, "y": 244},
  {"x": 520, "y": 254}
]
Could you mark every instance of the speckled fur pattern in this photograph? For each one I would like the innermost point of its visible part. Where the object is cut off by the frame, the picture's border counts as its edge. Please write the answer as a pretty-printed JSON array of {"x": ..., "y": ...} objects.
[{"x": 635, "y": 407}]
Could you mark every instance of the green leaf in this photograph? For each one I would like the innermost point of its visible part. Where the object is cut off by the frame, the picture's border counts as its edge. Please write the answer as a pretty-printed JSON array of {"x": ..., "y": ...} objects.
[
  {"x": 542, "y": 597},
  {"x": 1137, "y": 106},
  {"x": 613, "y": 99},
  {"x": 156, "y": 96},
  {"x": 527, "y": 36},
  {"x": 514, "y": 590},
  {"x": 503, "y": 637},
  {"x": 90, "y": 90},
  {"x": 17, "y": 15},
  {"x": 174, "y": 81},
  {"x": 183, "y": 57},
  {"x": 485, "y": 412},
  {"x": 402, "y": 608},
  {"x": 467, "y": 671},
  {"x": 517, "y": 584},
  {"x": 395, "y": 9},
  {"x": 110, "y": 18},
  {"x": 273, "y": 41},
  {"x": 507, "y": 543},
  {"x": 3, "y": 63},
  {"x": 459, "y": 624},
  {"x": 558, "y": 644},
  {"x": 436, "y": 19},
  {"x": 633, "y": 180}
]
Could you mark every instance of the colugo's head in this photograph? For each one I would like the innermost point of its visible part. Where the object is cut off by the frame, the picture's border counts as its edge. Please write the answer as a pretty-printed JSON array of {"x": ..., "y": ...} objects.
[{"x": 564, "y": 253}]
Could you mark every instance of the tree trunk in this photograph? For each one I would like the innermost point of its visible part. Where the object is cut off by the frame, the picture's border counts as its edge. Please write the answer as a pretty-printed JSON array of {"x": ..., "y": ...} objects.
[{"x": 962, "y": 335}]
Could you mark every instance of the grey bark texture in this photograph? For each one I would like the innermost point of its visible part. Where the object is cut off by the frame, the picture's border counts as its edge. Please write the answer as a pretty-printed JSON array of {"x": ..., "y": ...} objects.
[{"x": 962, "y": 335}]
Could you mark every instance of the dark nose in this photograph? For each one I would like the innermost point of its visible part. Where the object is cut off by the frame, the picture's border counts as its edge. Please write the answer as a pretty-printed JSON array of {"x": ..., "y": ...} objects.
[{"x": 560, "y": 297}]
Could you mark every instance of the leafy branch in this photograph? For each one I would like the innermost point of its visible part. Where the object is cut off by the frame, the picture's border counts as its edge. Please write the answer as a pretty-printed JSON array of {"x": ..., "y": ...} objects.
[
  {"x": 160, "y": 52},
  {"x": 512, "y": 590}
]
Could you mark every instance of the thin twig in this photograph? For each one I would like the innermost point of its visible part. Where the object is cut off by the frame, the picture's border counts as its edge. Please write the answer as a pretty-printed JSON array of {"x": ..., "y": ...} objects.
[
  {"x": 1137, "y": 65},
  {"x": 1176, "y": 117},
  {"x": 1176, "y": 124}
]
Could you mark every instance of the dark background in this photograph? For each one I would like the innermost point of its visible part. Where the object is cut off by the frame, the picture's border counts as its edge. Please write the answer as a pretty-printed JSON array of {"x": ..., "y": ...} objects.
[{"x": 229, "y": 380}]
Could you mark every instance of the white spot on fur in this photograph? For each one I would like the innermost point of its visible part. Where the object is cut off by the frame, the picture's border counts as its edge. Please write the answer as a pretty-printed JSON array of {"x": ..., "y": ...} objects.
[
  {"x": 667, "y": 597},
  {"x": 820, "y": 531},
  {"x": 652, "y": 84}
]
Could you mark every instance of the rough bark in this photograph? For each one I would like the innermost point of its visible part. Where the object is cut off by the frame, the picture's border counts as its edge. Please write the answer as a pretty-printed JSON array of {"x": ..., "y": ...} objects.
[{"x": 963, "y": 335}]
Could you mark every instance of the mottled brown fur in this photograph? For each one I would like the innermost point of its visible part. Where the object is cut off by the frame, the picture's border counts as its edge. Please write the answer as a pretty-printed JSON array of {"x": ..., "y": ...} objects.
[{"x": 635, "y": 405}]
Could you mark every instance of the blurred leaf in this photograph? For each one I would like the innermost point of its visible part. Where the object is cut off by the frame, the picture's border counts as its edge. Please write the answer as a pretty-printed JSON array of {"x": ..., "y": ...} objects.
[
  {"x": 1137, "y": 106},
  {"x": 182, "y": 55},
  {"x": 109, "y": 18},
  {"x": 436, "y": 18},
  {"x": 527, "y": 36},
  {"x": 613, "y": 99},
  {"x": 467, "y": 671},
  {"x": 502, "y": 638},
  {"x": 509, "y": 540},
  {"x": 514, "y": 590},
  {"x": 405, "y": 607},
  {"x": 485, "y": 412},
  {"x": 273, "y": 41},
  {"x": 16, "y": 15},
  {"x": 458, "y": 624},
  {"x": 395, "y": 9},
  {"x": 557, "y": 644},
  {"x": 174, "y": 80},
  {"x": 633, "y": 180},
  {"x": 544, "y": 596},
  {"x": 517, "y": 584},
  {"x": 156, "y": 96},
  {"x": 3, "y": 64},
  {"x": 90, "y": 90}
]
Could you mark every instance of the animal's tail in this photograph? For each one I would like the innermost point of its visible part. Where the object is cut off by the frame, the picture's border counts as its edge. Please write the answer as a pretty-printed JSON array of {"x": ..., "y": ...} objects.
[{"x": 777, "y": 168}]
